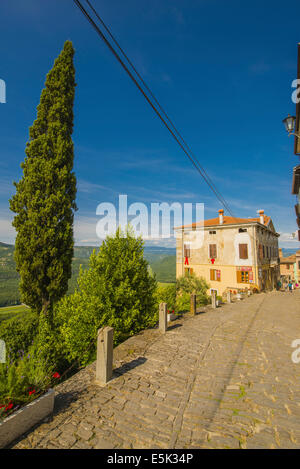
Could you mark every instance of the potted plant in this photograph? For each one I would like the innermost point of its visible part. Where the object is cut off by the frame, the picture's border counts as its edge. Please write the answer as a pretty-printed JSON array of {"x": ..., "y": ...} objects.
[{"x": 171, "y": 315}]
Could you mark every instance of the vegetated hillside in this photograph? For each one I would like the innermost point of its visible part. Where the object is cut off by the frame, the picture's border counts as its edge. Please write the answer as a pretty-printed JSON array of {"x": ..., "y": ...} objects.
[
  {"x": 165, "y": 269},
  {"x": 9, "y": 278},
  {"x": 12, "y": 311}
]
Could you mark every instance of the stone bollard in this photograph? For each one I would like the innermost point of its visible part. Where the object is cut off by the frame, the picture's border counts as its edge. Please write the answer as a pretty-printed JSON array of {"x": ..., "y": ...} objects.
[
  {"x": 228, "y": 297},
  {"x": 193, "y": 305},
  {"x": 104, "y": 364},
  {"x": 163, "y": 319},
  {"x": 214, "y": 299}
]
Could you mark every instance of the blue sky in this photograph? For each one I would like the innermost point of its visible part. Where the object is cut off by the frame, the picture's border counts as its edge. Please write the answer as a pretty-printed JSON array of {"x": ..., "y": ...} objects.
[{"x": 222, "y": 70}]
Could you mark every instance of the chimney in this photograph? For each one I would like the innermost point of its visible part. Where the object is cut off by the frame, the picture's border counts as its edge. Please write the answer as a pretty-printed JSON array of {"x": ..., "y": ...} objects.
[
  {"x": 221, "y": 218},
  {"x": 261, "y": 217}
]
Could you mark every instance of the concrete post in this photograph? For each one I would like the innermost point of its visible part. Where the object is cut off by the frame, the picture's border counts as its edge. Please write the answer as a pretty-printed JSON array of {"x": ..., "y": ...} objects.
[
  {"x": 163, "y": 319},
  {"x": 193, "y": 305},
  {"x": 104, "y": 364},
  {"x": 228, "y": 297},
  {"x": 214, "y": 299}
]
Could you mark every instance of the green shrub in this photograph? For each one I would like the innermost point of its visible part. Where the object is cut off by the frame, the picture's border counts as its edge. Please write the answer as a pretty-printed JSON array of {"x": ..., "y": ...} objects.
[
  {"x": 23, "y": 380},
  {"x": 183, "y": 302},
  {"x": 167, "y": 294},
  {"x": 18, "y": 333},
  {"x": 188, "y": 285}
]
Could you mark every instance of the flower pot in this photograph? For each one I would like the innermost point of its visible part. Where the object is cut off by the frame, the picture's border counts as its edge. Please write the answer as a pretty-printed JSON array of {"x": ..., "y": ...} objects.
[
  {"x": 171, "y": 317},
  {"x": 25, "y": 418}
]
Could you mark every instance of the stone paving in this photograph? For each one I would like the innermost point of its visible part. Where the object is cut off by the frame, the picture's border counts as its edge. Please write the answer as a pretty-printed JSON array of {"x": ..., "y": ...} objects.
[{"x": 222, "y": 379}]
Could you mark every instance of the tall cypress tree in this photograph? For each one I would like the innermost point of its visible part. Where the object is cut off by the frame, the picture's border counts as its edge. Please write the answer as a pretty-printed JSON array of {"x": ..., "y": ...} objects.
[{"x": 44, "y": 202}]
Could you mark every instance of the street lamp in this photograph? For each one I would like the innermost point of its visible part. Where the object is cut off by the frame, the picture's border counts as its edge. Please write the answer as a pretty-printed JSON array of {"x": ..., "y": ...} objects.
[{"x": 289, "y": 123}]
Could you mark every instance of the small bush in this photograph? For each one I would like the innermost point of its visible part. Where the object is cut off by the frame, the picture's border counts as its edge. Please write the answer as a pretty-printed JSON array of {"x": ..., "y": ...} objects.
[
  {"x": 18, "y": 333},
  {"x": 188, "y": 285},
  {"x": 117, "y": 290},
  {"x": 23, "y": 380},
  {"x": 167, "y": 295}
]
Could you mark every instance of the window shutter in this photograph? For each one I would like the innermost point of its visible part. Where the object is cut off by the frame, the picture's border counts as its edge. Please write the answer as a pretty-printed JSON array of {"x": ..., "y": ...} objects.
[
  {"x": 239, "y": 276},
  {"x": 212, "y": 274},
  {"x": 187, "y": 250},
  {"x": 212, "y": 251}
]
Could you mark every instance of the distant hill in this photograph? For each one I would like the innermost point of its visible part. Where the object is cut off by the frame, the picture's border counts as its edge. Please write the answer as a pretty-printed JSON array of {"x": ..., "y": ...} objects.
[
  {"x": 161, "y": 260},
  {"x": 4, "y": 245},
  {"x": 165, "y": 269}
]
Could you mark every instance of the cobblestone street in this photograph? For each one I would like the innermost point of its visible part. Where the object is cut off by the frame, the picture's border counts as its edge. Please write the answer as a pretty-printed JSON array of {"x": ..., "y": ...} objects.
[{"x": 222, "y": 379}]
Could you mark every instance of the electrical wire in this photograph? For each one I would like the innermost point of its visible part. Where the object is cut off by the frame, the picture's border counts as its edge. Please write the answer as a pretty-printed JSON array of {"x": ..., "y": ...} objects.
[
  {"x": 176, "y": 135},
  {"x": 163, "y": 116},
  {"x": 157, "y": 102}
]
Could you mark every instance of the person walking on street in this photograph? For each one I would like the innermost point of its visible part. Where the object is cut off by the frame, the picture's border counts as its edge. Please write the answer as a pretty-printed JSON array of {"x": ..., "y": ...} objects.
[{"x": 290, "y": 287}]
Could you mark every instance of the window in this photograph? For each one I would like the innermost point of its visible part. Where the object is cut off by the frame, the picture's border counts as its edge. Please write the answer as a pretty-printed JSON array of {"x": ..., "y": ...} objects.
[
  {"x": 188, "y": 272},
  {"x": 263, "y": 252},
  {"x": 288, "y": 266},
  {"x": 212, "y": 251},
  {"x": 260, "y": 248},
  {"x": 215, "y": 275},
  {"x": 243, "y": 250},
  {"x": 242, "y": 277},
  {"x": 187, "y": 250},
  {"x": 212, "y": 232},
  {"x": 242, "y": 230}
]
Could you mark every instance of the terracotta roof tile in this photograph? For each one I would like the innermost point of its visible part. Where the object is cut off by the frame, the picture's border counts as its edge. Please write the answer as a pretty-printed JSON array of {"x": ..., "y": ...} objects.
[{"x": 227, "y": 221}]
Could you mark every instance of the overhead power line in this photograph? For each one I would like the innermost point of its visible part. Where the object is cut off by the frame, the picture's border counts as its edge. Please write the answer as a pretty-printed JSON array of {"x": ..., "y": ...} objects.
[{"x": 158, "y": 109}]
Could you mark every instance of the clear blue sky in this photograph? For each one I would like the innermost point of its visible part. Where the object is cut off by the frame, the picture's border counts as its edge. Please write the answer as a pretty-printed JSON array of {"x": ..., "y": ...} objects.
[{"x": 222, "y": 70}]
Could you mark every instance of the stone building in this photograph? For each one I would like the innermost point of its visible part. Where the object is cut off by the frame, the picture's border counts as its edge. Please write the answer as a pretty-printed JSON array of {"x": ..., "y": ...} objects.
[
  {"x": 230, "y": 253},
  {"x": 290, "y": 267}
]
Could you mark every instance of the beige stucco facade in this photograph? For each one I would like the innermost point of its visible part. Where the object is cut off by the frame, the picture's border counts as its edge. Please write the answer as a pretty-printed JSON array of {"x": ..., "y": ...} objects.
[
  {"x": 290, "y": 267},
  {"x": 256, "y": 267}
]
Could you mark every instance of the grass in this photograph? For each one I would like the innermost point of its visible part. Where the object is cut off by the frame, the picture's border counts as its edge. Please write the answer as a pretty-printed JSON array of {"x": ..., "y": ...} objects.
[{"x": 165, "y": 284}]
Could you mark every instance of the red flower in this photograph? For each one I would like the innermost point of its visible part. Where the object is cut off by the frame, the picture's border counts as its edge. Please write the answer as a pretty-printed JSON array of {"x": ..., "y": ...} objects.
[
  {"x": 56, "y": 375},
  {"x": 31, "y": 392},
  {"x": 173, "y": 311},
  {"x": 168, "y": 311},
  {"x": 10, "y": 406}
]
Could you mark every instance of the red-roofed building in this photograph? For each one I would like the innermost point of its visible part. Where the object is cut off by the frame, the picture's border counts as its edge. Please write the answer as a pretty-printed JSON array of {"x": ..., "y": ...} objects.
[
  {"x": 230, "y": 253},
  {"x": 290, "y": 267}
]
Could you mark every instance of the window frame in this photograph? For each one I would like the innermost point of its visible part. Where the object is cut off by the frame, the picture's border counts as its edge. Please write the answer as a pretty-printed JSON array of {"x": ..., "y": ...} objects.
[
  {"x": 216, "y": 251},
  {"x": 245, "y": 246}
]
